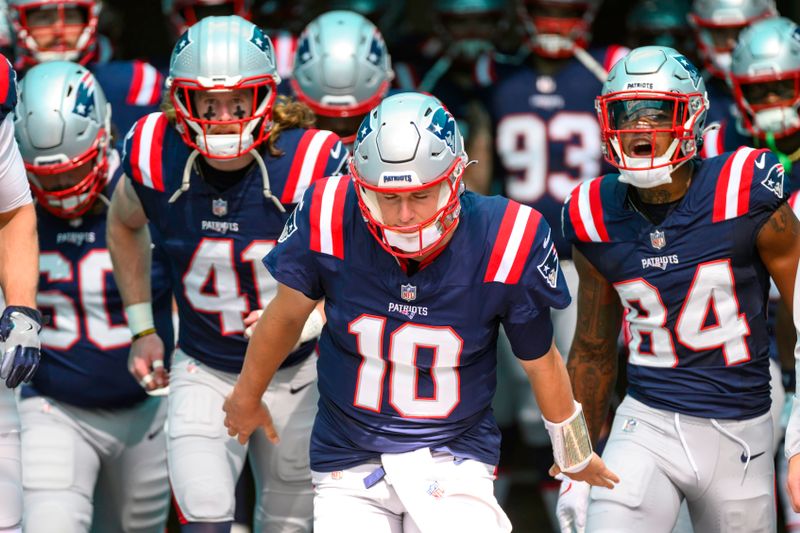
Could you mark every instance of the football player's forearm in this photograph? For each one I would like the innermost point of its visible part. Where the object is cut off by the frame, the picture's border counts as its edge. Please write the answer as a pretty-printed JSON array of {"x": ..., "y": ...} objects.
[
  {"x": 19, "y": 258},
  {"x": 130, "y": 256},
  {"x": 592, "y": 369},
  {"x": 550, "y": 383}
]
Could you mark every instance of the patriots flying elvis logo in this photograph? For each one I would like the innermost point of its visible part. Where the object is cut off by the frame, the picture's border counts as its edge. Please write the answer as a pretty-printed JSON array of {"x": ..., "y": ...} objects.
[
  {"x": 443, "y": 125},
  {"x": 182, "y": 43},
  {"x": 84, "y": 96},
  {"x": 363, "y": 130},
  {"x": 260, "y": 39},
  {"x": 690, "y": 69},
  {"x": 376, "y": 49},
  {"x": 303, "y": 50}
]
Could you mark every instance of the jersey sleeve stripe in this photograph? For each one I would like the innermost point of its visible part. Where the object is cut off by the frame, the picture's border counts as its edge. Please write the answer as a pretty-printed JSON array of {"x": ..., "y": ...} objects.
[
  {"x": 586, "y": 213},
  {"x": 145, "y": 87},
  {"x": 146, "y": 151},
  {"x": 525, "y": 245},
  {"x": 513, "y": 244},
  {"x": 322, "y": 158},
  {"x": 327, "y": 213},
  {"x": 794, "y": 203},
  {"x": 291, "y": 187},
  {"x": 501, "y": 243},
  {"x": 732, "y": 195}
]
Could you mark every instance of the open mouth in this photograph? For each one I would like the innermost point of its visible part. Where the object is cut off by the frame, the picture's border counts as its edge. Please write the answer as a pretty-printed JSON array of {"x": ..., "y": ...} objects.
[{"x": 641, "y": 148}]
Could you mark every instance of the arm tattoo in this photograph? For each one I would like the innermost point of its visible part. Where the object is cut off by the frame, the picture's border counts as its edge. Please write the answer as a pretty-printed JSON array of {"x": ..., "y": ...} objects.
[{"x": 592, "y": 363}]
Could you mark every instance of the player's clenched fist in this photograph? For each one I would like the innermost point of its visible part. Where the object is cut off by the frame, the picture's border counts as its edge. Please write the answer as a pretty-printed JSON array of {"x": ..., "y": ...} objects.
[
  {"x": 19, "y": 331},
  {"x": 244, "y": 414}
]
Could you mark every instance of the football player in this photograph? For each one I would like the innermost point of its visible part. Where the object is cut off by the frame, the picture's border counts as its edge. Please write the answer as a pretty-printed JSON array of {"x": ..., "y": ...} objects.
[
  {"x": 341, "y": 71},
  {"x": 716, "y": 25},
  {"x": 48, "y": 30},
  {"x": 20, "y": 322},
  {"x": 94, "y": 453},
  {"x": 216, "y": 175},
  {"x": 420, "y": 274},
  {"x": 682, "y": 249}
]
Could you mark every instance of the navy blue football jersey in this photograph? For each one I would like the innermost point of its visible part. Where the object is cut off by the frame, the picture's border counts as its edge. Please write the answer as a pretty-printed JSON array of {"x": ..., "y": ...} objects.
[
  {"x": 85, "y": 346},
  {"x": 547, "y": 136},
  {"x": 409, "y": 361},
  {"x": 215, "y": 240},
  {"x": 693, "y": 287},
  {"x": 133, "y": 88}
]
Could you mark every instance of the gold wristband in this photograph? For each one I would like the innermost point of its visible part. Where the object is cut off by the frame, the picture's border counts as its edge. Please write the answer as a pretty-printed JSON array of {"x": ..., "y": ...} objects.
[{"x": 144, "y": 333}]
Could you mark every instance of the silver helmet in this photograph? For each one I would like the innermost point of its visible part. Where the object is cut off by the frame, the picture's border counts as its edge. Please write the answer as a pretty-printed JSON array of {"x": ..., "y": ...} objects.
[
  {"x": 69, "y": 27},
  {"x": 765, "y": 77},
  {"x": 409, "y": 143},
  {"x": 223, "y": 55},
  {"x": 651, "y": 93},
  {"x": 341, "y": 69},
  {"x": 716, "y": 25},
  {"x": 63, "y": 124},
  {"x": 556, "y": 27}
]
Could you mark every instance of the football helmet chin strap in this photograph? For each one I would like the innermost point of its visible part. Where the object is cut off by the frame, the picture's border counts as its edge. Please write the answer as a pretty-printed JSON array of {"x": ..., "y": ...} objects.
[{"x": 266, "y": 190}]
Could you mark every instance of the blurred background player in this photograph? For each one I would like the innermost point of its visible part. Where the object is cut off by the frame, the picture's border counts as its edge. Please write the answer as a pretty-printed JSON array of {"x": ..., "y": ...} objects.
[
  {"x": 765, "y": 81},
  {"x": 95, "y": 454},
  {"x": 216, "y": 175},
  {"x": 20, "y": 322},
  {"x": 716, "y": 25},
  {"x": 445, "y": 61},
  {"x": 342, "y": 70},
  {"x": 402, "y": 229},
  {"x": 546, "y": 140},
  {"x": 662, "y": 240},
  {"x": 48, "y": 30},
  {"x": 655, "y": 22}
]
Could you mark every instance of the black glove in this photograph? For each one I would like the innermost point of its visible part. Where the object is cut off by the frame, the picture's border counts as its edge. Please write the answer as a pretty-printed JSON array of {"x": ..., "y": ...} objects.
[{"x": 19, "y": 331}]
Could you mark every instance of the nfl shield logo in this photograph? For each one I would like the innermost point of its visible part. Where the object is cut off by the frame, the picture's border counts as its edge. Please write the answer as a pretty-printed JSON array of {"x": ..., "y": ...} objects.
[
  {"x": 658, "y": 240},
  {"x": 408, "y": 292},
  {"x": 219, "y": 207}
]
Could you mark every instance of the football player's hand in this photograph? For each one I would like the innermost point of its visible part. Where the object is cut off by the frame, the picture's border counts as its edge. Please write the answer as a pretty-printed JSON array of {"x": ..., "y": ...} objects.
[
  {"x": 244, "y": 414},
  {"x": 793, "y": 482},
  {"x": 572, "y": 506},
  {"x": 595, "y": 473},
  {"x": 19, "y": 331},
  {"x": 250, "y": 322},
  {"x": 146, "y": 362}
]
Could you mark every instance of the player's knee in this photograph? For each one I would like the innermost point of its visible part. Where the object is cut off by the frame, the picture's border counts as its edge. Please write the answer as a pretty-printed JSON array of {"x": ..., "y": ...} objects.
[
  {"x": 147, "y": 510},
  {"x": 47, "y": 516},
  {"x": 755, "y": 515},
  {"x": 10, "y": 504},
  {"x": 205, "y": 500},
  {"x": 290, "y": 462}
]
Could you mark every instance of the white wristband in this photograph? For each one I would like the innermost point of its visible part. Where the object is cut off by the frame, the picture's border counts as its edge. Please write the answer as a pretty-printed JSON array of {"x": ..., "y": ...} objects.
[
  {"x": 572, "y": 447},
  {"x": 140, "y": 317}
]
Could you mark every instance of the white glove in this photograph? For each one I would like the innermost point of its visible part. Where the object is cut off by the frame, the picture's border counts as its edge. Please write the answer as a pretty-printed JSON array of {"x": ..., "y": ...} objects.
[
  {"x": 573, "y": 504},
  {"x": 19, "y": 331},
  {"x": 311, "y": 329}
]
